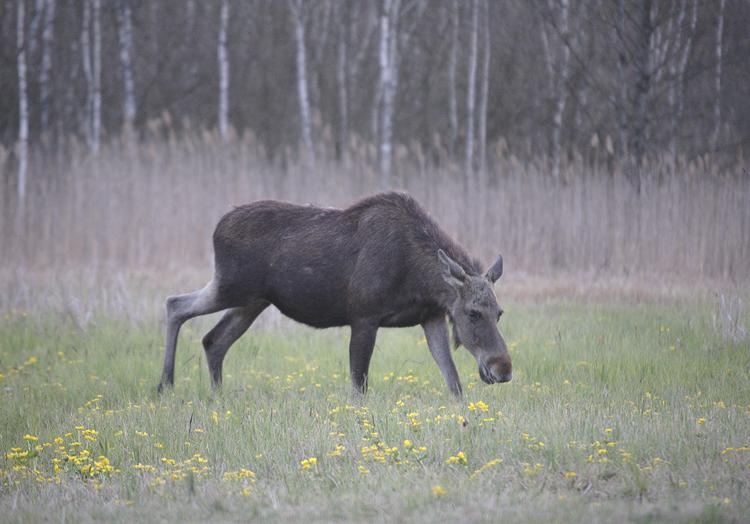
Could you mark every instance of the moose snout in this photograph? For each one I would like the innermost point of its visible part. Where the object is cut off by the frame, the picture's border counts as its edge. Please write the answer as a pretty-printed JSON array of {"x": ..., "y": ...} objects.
[{"x": 498, "y": 369}]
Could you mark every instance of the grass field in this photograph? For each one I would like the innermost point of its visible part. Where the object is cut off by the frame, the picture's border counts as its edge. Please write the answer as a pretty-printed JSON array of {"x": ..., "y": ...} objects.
[{"x": 618, "y": 410}]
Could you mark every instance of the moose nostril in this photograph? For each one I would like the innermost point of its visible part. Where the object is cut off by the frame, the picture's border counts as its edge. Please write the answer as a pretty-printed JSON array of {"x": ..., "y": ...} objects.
[{"x": 505, "y": 378}]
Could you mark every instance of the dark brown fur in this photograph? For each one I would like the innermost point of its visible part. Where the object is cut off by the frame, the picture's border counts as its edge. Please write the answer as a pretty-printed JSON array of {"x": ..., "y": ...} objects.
[{"x": 374, "y": 264}]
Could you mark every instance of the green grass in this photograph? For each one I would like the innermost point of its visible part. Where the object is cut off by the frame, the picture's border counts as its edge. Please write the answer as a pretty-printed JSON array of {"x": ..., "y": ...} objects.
[{"x": 617, "y": 411}]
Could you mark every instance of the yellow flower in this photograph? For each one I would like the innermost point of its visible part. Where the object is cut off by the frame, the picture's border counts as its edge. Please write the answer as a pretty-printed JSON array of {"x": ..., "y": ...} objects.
[
  {"x": 363, "y": 470},
  {"x": 701, "y": 421},
  {"x": 570, "y": 474},
  {"x": 438, "y": 491},
  {"x": 481, "y": 406},
  {"x": 30, "y": 438},
  {"x": 308, "y": 463},
  {"x": 408, "y": 443},
  {"x": 458, "y": 458}
]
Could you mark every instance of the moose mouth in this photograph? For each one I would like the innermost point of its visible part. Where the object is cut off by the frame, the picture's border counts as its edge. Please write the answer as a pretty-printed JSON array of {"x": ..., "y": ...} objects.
[
  {"x": 488, "y": 378},
  {"x": 485, "y": 375}
]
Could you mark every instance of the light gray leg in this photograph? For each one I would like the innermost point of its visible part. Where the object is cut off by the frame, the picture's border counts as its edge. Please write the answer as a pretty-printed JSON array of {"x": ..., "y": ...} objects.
[
  {"x": 179, "y": 309},
  {"x": 436, "y": 333},
  {"x": 225, "y": 333}
]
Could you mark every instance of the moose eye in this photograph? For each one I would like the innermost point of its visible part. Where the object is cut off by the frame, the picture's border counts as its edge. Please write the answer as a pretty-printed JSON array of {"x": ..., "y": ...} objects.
[{"x": 474, "y": 315}]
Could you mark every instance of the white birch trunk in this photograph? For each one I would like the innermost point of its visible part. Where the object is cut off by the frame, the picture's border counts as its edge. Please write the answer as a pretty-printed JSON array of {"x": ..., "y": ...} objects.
[
  {"x": 560, "y": 83},
  {"x": 471, "y": 92},
  {"x": 342, "y": 79},
  {"x": 622, "y": 89},
  {"x": 125, "y": 34},
  {"x": 23, "y": 109},
  {"x": 388, "y": 50},
  {"x": 223, "y": 70},
  {"x": 717, "y": 75},
  {"x": 191, "y": 71},
  {"x": 483, "y": 95},
  {"x": 87, "y": 72},
  {"x": 96, "y": 123},
  {"x": 46, "y": 66},
  {"x": 298, "y": 18},
  {"x": 34, "y": 28},
  {"x": 452, "y": 105}
]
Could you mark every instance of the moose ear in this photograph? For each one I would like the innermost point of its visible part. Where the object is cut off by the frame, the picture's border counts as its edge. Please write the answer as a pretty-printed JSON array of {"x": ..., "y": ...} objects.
[
  {"x": 496, "y": 271},
  {"x": 452, "y": 272}
]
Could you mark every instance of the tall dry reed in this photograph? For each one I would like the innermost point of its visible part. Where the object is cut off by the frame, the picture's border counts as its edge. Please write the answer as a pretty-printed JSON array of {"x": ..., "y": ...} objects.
[{"x": 153, "y": 207}]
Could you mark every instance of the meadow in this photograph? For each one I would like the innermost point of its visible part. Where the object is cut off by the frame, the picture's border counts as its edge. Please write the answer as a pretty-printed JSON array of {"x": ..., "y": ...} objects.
[
  {"x": 624, "y": 314},
  {"x": 620, "y": 409}
]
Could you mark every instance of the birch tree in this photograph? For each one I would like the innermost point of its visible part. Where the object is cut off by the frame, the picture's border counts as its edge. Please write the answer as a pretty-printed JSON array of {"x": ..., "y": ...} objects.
[
  {"x": 223, "y": 70},
  {"x": 46, "y": 65},
  {"x": 677, "y": 64},
  {"x": 92, "y": 56},
  {"x": 452, "y": 58},
  {"x": 557, "y": 60},
  {"x": 299, "y": 15},
  {"x": 87, "y": 71},
  {"x": 622, "y": 102},
  {"x": 23, "y": 107},
  {"x": 96, "y": 123},
  {"x": 471, "y": 92},
  {"x": 717, "y": 74},
  {"x": 342, "y": 79},
  {"x": 484, "y": 92},
  {"x": 388, "y": 56},
  {"x": 125, "y": 37},
  {"x": 642, "y": 87}
]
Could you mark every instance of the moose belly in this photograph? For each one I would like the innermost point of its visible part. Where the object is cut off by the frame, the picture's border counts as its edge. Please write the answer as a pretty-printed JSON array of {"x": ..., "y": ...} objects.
[{"x": 310, "y": 301}]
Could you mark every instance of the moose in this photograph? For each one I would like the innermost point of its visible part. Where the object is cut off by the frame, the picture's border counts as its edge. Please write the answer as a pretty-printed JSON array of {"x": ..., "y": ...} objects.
[{"x": 382, "y": 262}]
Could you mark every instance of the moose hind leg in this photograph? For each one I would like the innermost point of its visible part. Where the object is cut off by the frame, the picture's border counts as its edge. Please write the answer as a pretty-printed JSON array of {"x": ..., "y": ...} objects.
[
  {"x": 181, "y": 308},
  {"x": 361, "y": 345},
  {"x": 232, "y": 325}
]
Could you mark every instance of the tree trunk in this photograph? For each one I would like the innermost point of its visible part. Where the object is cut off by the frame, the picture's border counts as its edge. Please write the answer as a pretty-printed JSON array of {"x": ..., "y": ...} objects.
[
  {"x": 717, "y": 76},
  {"x": 38, "y": 13},
  {"x": 125, "y": 33},
  {"x": 677, "y": 72},
  {"x": 23, "y": 109},
  {"x": 388, "y": 59},
  {"x": 223, "y": 70},
  {"x": 96, "y": 123},
  {"x": 483, "y": 95},
  {"x": 342, "y": 78},
  {"x": 622, "y": 106},
  {"x": 471, "y": 93},
  {"x": 452, "y": 105},
  {"x": 560, "y": 83},
  {"x": 643, "y": 81},
  {"x": 46, "y": 66},
  {"x": 87, "y": 72},
  {"x": 298, "y": 18}
]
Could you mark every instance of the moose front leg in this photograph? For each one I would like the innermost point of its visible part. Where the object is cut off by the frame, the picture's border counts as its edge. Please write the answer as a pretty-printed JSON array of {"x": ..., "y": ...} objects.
[
  {"x": 361, "y": 345},
  {"x": 436, "y": 333}
]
